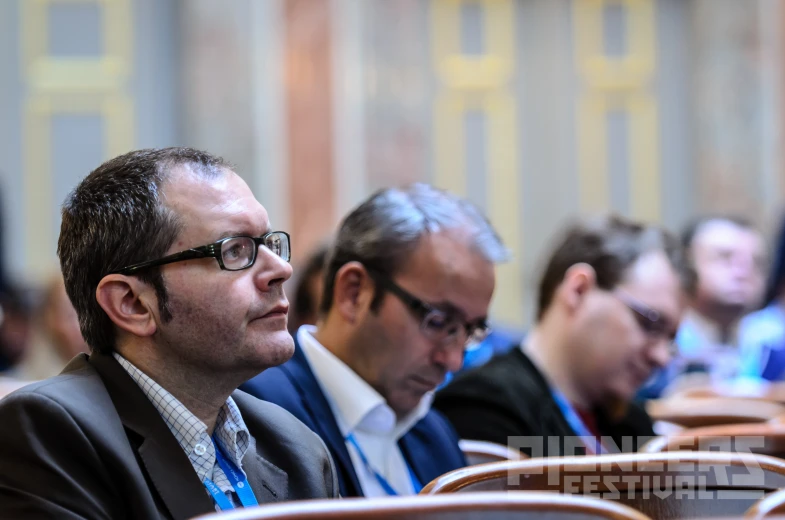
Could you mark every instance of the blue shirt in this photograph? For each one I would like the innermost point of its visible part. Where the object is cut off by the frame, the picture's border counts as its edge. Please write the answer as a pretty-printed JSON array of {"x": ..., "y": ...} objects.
[
  {"x": 762, "y": 343},
  {"x": 701, "y": 349}
]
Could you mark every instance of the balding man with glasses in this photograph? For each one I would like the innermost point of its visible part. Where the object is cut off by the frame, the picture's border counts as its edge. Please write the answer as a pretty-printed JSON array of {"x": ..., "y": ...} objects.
[
  {"x": 177, "y": 279},
  {"x": 408, "y": 281}
]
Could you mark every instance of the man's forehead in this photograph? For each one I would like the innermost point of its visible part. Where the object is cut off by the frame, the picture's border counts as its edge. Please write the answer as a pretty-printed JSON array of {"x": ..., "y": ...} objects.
[
  {"x": 450, "y": 251},
  {"x": 214, "y": 203},
  {"x": 720, "y": 233},
  {"x": 187, "y": 182},
  {"x": 449, "y": 270},
  {"x": 651, "y": 269},
  {"x": 654, "y": 281}
]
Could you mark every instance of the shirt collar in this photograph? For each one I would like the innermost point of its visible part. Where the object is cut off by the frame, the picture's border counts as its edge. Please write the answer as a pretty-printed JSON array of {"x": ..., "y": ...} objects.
[
  {"x": 696, "y": 333},
  {"x": 230, "y": 432},
  {"x": 355, "y": 403}
]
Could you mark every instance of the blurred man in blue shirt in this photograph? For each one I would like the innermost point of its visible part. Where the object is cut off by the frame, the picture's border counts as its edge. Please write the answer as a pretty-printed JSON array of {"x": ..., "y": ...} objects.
[{"x": 728, "y": 255}]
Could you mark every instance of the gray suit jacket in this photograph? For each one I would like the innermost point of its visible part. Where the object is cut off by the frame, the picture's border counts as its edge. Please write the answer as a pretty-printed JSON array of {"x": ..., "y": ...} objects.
[{"x": 89, "y": 444}]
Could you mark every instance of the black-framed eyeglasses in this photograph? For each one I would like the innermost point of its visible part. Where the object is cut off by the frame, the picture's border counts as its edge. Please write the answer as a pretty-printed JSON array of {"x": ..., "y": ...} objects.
[
  {"x": 437, "y": 324},
  {"x": 651, "y": 321},
  {"x": 232, "y": 253}
]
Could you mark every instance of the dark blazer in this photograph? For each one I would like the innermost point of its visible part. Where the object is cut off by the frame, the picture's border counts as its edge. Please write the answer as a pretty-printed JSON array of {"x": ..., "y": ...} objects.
[
  {"x": 509, "y": 397},
  {"x": 430, "y": 447},
  {"x": 89, "y": 444}
]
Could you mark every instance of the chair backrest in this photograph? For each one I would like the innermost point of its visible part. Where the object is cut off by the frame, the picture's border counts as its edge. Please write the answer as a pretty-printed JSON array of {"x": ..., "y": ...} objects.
[
  {"x": 660, "y": 485},
  {"x": 712, "y": 411},
  {"x": 762, "y": 438},
  {"x": 480, "y": 452},
  {"x": 667, "y": 428},
  {"x": 772, "y": 505},
  {"x": 469, "y": 506},
  {"x": 766, "y": 391}
]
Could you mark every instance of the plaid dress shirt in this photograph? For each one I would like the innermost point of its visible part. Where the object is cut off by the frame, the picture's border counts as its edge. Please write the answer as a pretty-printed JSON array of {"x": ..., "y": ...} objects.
[{"x": 230, "y": 432}]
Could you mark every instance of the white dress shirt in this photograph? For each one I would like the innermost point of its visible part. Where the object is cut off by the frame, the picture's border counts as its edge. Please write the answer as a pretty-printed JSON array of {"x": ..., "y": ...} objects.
[{"x": 362, "y": 411}]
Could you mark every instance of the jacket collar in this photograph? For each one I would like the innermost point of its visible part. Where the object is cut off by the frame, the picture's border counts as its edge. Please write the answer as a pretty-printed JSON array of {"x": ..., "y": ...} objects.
[
  {"x": 316, "y": 404},
  {"x": 164, "y": 460},
  {"x": 166, "y": 463}
]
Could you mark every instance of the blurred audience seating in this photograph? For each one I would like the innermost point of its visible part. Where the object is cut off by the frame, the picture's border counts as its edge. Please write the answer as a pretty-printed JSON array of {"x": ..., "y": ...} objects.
[
  {"x": 761, "y": 438},
  {"x": 480, "y": 452},
  {"x": 763, "y": 391},
  {"x": 711, "y": 411},
  {"x": 660, "y": 485},
  {"x": 770, "y": 506},
  {"x": 469, "y": 506}
]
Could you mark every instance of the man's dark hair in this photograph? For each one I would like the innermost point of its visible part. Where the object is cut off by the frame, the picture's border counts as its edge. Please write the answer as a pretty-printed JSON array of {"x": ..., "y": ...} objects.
[
  {"x": 610, "y": 245},
  {"x": 116, "y": 217},
  {"x": 382, "y": 232}
]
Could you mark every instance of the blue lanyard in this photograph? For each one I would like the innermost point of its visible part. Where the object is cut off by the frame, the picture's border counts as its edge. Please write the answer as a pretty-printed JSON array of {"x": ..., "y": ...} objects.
[
  {"x": 380, "y": 479},
  {"x": 577, "y": 425},
  {"x": 239, "y": 483}
]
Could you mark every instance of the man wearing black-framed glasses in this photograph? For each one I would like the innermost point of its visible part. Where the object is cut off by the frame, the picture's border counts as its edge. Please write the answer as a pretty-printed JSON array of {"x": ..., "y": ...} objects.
[
  {"x": 177, "y": 279},
  {"x": 609, "y": 305},
  {"x": 407, "y": 285}
]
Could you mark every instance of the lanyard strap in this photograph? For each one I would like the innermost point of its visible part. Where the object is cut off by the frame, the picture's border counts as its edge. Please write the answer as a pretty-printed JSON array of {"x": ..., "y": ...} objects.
[
  {"x": 578, "y": 426},
  {"x": 379, "y": 478},
  {"x": 236, "y": 478},
  {"x": 220, "y": 498}
]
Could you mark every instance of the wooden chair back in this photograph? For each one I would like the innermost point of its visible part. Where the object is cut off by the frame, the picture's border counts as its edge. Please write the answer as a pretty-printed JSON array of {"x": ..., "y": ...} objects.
[
  {"x": 712, "y": 411},
  {"x": 481, "y": 452},
  {"x": 772, "y": 505},
  {"x": 468, "y": 506},
  {"x": 660, "y": 485},
  {"x": 761, "y": 438}
]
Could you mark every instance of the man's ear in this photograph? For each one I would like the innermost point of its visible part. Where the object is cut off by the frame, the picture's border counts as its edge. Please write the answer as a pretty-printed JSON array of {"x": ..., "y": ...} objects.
[
  {"x": 578, "y": 281},
  {"x": 130, "y": 303},
  {"x": 353, "y": 291}
]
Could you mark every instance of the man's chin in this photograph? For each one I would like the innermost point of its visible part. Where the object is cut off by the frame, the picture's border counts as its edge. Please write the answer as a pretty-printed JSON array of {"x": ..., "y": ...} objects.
[
  {"x": 276, "y": 349},
  {"x": 736, "y": 303},
  {"x": 623, "y": 394},
  {"x": 616, "y": 406}
]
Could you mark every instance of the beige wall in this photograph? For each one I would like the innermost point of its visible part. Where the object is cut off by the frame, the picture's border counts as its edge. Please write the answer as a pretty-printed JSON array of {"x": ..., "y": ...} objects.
[{"x": 537, "y": 110}]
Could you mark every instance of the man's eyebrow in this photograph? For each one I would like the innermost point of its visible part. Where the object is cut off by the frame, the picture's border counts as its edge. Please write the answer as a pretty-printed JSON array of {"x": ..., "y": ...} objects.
[
  {"x": 451, "y": 308},
  {"x": 245, "y": 233},
  {"x": 227, "y": 234}
]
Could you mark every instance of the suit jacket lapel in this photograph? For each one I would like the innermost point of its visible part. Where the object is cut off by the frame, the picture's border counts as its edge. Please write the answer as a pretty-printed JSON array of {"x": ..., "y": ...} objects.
[
  {"x": 316, "y": 403},
  {"x": 551, "y": 420},
  {"x": 269, "y": 482},
  {"x": 164, "y": 460},
  {"x": 415, "y": 442}
]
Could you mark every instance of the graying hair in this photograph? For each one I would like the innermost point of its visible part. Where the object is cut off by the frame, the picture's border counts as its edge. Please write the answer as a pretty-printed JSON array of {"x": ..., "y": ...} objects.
[{"x": 382, "y": 232}]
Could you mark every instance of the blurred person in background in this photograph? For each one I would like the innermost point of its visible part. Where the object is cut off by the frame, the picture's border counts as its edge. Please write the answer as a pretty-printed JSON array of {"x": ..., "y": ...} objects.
[
  {"x": 15, "y": 330},
  {"x": 15, "y": 316},
  {"x": 728, "y": 255},
  {"x": 500, "y": 340},
  {"x": 307, "y": 291},
  {"x": 409, "y": 279},
  {"x": 609, "y": 304},
  {"x": 762, "y": 333},
  {"x": 56, "y": 337}
]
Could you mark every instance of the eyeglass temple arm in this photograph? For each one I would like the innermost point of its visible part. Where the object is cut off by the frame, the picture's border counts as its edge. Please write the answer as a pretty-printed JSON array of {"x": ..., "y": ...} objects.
[{"x": 190, "y": 254}]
